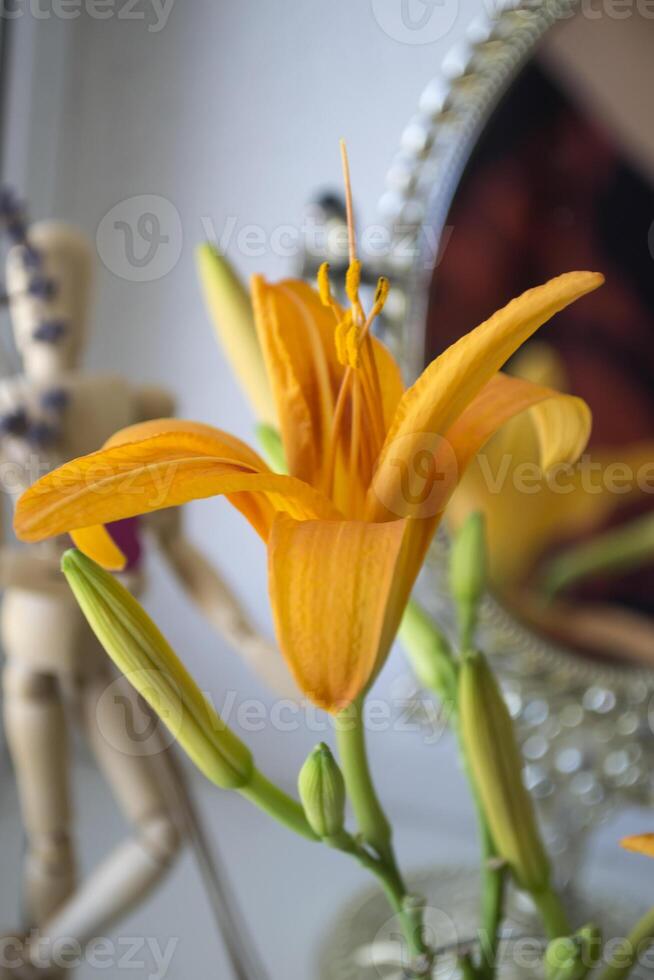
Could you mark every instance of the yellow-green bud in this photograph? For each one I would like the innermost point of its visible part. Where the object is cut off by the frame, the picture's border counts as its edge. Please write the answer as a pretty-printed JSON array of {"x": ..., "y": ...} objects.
[
  {"x": 429, "y": 652},
  {"x": 148, "y": 662},
  {"x": 231, "y": 313},
  {"x": 273, "y": 448},
  {"x": 572, "y": 957},
  {"x": 468, "y": 572},
  {"x": 322, "y": 791},
  {"x": 496, "y": 765}
]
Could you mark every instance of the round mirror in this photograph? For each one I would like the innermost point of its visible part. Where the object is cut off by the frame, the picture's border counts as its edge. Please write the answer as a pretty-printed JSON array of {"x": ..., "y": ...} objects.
[
  {"x": 532, "y": 155},
  {"x": 561, "y": 178}
]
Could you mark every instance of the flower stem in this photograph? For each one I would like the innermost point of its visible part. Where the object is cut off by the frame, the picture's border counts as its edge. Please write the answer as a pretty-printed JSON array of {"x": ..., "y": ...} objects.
[
  {"x": 627, "y": 953},
  {"x": 376, "y": 832},
  {"x": 371, "y": 819},
  {"x": 552, "y": 913},
  {"x": 409, "y": 913},
  {"x": 277, "y": 804}
]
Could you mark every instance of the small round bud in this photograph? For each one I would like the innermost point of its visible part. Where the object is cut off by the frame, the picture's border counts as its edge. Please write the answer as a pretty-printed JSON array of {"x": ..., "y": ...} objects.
[{"x": 322, "y": 791}]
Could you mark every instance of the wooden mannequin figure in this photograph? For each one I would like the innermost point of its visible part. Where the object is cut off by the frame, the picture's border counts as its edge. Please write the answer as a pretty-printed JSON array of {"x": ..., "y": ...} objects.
[{"x": 50, "y": 413}]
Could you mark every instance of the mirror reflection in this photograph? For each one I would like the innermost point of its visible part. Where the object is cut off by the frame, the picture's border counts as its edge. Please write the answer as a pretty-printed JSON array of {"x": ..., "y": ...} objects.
[{"x": 562, "y": 177}]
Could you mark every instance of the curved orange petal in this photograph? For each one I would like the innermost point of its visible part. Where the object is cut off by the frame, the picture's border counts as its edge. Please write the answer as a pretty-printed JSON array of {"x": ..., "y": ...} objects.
[
  {"x": 164, "y": 470},
  {"x": 331, "y": 587},
  {"x": 97, "y": 543},
  {"x": 501, "y": 399},
  {"x": 431, "y": 406},
  {"x": 641, "y": 843}
]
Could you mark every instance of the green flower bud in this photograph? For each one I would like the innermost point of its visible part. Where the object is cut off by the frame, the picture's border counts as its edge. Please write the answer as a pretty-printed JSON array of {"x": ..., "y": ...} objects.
[
  {"x": 273, "y": 448},
  {"x": 231, "y": 313},
  {"x": 322, "y": 791},
  {"x": 144, "y": 656},
  {"x": 496, "y": 765},
  {"x": 429, "y": 652},
  {"x": 572, "y": 957},
  {"x": 468, "y": 573}
]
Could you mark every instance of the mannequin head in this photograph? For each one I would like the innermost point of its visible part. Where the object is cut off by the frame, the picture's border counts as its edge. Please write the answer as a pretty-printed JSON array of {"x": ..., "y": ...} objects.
[{"x": 49, "y": 287}]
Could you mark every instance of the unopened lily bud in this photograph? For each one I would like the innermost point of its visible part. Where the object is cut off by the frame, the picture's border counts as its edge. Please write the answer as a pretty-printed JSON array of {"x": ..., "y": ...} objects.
[
  {"x": 468, "y": 572},
  {"x": 573, "y": 957},
  {"x": 148, "y": 662},
  {"x": 429, "y": 652},
  {"x": 322, "y": 791},
  {"x": 496, "y": 765},
  {"x": 273, "y": 448},
  {"x": 231, "y": 313}
]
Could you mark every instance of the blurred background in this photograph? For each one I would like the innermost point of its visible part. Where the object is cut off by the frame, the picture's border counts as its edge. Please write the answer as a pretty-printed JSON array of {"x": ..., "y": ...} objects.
[{"x": 223, "y": 120}]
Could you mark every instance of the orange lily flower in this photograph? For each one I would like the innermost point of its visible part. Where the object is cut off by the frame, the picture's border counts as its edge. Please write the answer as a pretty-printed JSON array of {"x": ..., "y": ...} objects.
[{"x": 371, "y": 466}]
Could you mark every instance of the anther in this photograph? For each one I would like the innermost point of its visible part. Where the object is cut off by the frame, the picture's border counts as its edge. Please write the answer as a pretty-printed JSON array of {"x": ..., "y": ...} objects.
[{"x": 324, "y": 289}]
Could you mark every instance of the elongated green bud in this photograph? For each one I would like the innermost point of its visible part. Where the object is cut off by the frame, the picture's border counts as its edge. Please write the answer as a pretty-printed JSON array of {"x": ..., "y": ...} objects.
[
  {"x": 468, "y": 573},
  {"x": 429, "y": 652},
  {"x": 496, "y": 765},
  {"x": 273, "y": 448},
  {"x": 623, "y": 549},
  {"x": 322, "y": 791},
  {"x": 148, "y": 662},
  {"x": 573, "y": 957},
  {"x": 231, "y": 313}
]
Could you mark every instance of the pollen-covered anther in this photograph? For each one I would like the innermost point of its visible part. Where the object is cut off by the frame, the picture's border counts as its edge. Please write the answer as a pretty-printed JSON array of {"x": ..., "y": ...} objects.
[
  {"x": 343, "y": 328},
  {"x": 324, "y": 287},
  {"x": 381, "y": 293},
  {"x": 353, "y": 281},
  {"x": 353, "y": 346}
]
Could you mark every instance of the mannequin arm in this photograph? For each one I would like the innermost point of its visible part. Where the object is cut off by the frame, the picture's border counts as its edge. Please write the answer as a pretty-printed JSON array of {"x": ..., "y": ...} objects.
[{"x": 218, "y": 603}]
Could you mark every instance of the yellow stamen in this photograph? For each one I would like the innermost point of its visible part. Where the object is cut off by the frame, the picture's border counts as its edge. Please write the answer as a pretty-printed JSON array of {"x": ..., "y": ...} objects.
[
  {"x": 340, "y": 338},
  {"x": 353, "y": 281},
  {"x": 352, "y": 346},
  {"x": 348, "y": 203},
  {"x": 381, "y": 294},
  {"x": 324, "y": 288}
]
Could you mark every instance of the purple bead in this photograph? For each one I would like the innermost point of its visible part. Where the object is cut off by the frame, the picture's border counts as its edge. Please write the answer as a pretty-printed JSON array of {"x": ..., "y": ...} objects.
[{"x": 50, "y": 331}]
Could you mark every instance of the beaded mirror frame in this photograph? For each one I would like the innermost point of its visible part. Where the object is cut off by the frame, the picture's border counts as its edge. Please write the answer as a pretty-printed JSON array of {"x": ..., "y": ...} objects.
[{"x": 586, "y": 728}]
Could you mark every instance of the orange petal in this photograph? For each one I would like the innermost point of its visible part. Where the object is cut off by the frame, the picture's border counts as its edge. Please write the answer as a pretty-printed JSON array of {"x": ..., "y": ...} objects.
[
  {"x": 97, "y": 543},
  {"x": 562, "y": 422},
  {"x": 164, "y": 470},
  {"x": 431, "y": 406},
  {"x": 500, "y": 400},
  {"x": 331, "y": 588},
  {"x": 296, "y": 333},
  {"x": 641, "y": 843},
  {"x": 212, "y": 441}
]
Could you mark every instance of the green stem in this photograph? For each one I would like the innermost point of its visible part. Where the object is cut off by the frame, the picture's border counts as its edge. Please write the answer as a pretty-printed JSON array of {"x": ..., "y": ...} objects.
[
  {"x": 492, "y": 900},
  {"x": 552, "y": 913},
  {"x": 376, "y": 831},
  {"x": 627, "y": 953},
  {"x": 277, "y": 804},
  {"x": 493, "y": 879},
  {"x": 410, "y": 918},
  {"x": 371, "y": 819}
]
